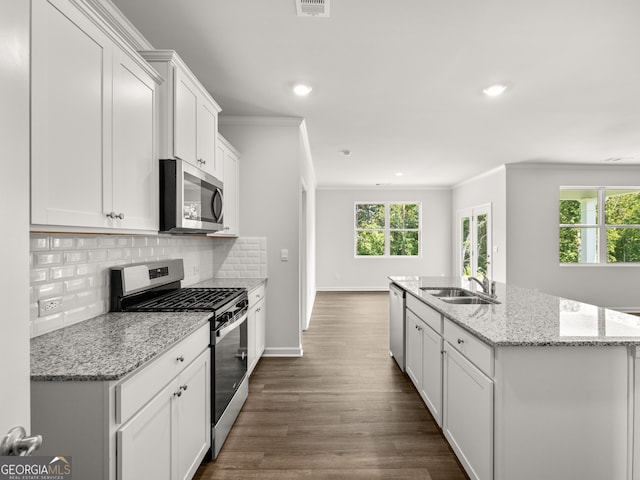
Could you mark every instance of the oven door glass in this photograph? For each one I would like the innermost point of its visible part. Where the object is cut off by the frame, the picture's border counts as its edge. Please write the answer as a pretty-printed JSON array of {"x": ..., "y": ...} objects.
[{"x": 230, "y": 366}]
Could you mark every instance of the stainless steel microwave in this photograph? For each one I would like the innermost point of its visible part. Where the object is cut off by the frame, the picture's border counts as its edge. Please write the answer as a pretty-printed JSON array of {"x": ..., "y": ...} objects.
[{"x": 191, "y": 200}]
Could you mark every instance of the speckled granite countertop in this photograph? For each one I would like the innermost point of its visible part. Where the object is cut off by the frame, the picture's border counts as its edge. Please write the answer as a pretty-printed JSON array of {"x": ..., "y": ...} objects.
[
  {"x": 248, "y": 283},
  {"x": 109, "y": 346},
  {"x": 526, "y": 317}
]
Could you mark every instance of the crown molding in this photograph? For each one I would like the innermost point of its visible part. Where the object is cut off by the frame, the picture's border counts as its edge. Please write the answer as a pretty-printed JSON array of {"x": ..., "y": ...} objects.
[{"x": 119, "y": 23}]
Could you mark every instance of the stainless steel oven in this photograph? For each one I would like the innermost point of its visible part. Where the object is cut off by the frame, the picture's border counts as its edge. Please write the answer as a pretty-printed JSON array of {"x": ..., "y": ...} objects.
[
  {"x": 229, "y": 377},
  {"x": 155, "y": 287},
  {"x": 191, "y": 200}
]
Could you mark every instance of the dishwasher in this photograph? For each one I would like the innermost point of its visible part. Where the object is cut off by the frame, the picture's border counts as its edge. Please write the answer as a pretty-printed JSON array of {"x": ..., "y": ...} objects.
[{"x": 397, "y": 324}]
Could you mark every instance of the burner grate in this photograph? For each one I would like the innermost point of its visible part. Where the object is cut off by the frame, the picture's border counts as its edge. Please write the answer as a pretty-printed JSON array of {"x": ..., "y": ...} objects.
[{"x": 189, "y": 299}]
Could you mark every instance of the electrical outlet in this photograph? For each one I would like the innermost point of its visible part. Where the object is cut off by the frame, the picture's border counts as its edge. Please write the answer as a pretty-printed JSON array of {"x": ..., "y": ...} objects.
[{"x": 49, "y": 306}]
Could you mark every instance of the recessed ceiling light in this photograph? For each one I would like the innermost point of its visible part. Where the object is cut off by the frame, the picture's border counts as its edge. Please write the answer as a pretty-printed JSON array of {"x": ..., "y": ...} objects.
[
  {"x": 302, "y": 90},
  {"x": 399, "y": 174},
  {"x": 494, "y": 90},
  {"x": 346, "y": 152}
]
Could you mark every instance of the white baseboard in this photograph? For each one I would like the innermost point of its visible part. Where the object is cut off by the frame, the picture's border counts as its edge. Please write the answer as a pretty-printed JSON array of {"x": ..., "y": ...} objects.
[
  {"x": 353, "y": 289},
  {"x": 283, "y": 352}
]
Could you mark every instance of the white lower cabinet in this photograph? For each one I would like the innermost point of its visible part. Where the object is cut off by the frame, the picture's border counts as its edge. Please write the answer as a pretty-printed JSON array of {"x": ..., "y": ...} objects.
[
  {"x": 424, "y": 357},
  {"x": 256, "y": 326},
  {"x": 154, "y": 423},
  {"x": 468, "y": 414},
  {"x": 168, "y": 438}
]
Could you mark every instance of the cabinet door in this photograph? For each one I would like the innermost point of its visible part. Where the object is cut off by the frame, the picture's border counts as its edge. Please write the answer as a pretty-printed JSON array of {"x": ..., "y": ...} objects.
[
  {"x": 186, "y": 115},
  {"x": 193, "y": 416},
  {"x": 135, "y": 181},
  {"x": 261, "y": 329},
  {"x": 145, "y": 441},
  {"x": 414, "y": 349},
  {"x": 252, "y": 355},
  {"x": 231, "y": 194},
  {"x": 468, "y": 414},
  {"x": 71, "y": 61},
  {"x": 206, "y": 139},
  {"x": 431, "y": 391}
]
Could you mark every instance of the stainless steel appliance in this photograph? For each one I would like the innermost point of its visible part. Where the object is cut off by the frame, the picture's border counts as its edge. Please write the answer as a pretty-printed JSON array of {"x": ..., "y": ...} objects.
[
  {"x": 191, "y": 200},
  {"x": 397, "y": 325},
  {"x": 155, "y": 287}
]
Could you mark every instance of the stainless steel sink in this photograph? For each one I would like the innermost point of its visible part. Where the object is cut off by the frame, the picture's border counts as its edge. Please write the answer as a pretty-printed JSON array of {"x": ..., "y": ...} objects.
[
  {"x": 447, "y": 292},
  {"x": 458, "y": 296},
  {"x": 472, "y": 300}
]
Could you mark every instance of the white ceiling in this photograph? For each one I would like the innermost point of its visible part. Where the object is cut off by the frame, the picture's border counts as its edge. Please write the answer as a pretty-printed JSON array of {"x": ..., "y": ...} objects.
[{"x": 399, "y": 82}]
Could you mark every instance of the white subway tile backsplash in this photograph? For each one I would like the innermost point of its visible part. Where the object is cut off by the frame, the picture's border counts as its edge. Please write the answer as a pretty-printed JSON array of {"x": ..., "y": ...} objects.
[
  {"x": 39, "y": 275},
  {"x": 39, "y": 242},
  {"x": 63, "y": 243},
  {"x": 87, "y": 243},
  {"x": 96, "y": 256},
  {"x": 41, "y": 259},
  {"x": 76, "y": 267},
  {"x": 78, "y": 256},
  {"x": 47, "y": 290},
  {"x": 48, "y": 323},
  {"x": 62, "y": 272},
  {"x": 76, "y": 284}
]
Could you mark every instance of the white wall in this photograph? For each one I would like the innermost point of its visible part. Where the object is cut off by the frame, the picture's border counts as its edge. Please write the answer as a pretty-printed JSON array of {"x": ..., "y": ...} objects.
[
  {"x": 14, "y": 211},
  {"x": 488, "y": 188},
  {"x": 337, "y": 267},
  {"x": 270, "y": 194},
  {"x": 533, "y": 234},
  {"x": 308, "y": 223}
]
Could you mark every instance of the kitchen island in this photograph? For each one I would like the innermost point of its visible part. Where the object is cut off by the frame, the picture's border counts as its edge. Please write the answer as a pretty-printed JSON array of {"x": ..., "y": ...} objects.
[{"x": 534, "y": 386}]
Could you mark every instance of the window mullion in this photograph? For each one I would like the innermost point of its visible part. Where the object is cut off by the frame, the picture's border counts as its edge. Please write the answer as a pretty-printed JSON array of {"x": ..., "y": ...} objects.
[
  {"x": 387, "y": 226},
  {"x": 602, "y": 232}
]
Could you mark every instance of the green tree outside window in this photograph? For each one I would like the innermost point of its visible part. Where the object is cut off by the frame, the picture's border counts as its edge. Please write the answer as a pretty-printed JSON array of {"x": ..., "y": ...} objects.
[{"x": 387, "y": 229}]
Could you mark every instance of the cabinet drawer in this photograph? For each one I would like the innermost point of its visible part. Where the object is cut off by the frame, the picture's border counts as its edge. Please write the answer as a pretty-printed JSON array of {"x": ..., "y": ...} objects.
[
  {"x": 256, "y": 295},
  {"x": 427, "y": 314},
  {"x": 138, "y": 389},
  {"x": 478, "y": 352}
]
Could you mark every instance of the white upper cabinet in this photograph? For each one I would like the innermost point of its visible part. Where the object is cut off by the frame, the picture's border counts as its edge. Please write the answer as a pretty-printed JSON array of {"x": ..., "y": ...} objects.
[
  {"x": 188, "y": 114},
  {"x": 229, "y": 158},
  {"x": 135, "y": 167},
  {"x": 93, "y": 160}
]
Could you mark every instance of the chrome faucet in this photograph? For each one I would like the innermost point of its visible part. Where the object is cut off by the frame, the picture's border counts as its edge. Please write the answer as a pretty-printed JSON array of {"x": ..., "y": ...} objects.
[{"x": 488, "y": 287}]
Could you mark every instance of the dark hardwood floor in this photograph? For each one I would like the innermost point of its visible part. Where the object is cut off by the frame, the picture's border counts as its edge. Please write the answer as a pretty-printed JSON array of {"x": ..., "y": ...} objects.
[{"x": 343, "y": 410}]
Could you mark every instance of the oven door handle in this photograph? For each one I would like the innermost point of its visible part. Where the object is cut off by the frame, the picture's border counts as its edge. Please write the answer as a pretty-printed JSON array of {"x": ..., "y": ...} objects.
[{"x": 224, "y": 331}]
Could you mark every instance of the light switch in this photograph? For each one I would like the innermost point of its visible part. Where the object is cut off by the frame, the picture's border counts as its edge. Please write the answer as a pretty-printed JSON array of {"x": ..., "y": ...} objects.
[{"x": 284, "y": 255}]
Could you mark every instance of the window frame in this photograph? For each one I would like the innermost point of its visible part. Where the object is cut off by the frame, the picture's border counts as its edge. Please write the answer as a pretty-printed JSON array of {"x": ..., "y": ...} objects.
[
  {"x": 600, "y": 225},
  {"x": 387, "y": 228}
]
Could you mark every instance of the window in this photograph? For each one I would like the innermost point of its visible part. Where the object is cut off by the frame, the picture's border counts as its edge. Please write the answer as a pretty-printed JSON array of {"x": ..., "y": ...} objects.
[
  {"x": 474, "y": 241},
  {"x": 387, "y": 229},
  {"x": 599, "y": 225}
]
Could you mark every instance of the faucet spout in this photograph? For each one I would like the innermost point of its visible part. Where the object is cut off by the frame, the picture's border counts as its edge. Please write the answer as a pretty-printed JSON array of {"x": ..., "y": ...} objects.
[{"x": 488, "y": 287}]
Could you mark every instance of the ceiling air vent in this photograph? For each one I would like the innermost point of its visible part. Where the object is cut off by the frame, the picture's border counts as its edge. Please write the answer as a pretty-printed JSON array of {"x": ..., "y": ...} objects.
[{"x": 312, "y": 8}]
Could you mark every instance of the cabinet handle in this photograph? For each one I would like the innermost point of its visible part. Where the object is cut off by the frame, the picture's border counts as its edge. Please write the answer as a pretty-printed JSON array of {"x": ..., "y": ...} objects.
[
  {"x": 460, "y": 341},
  {"x": 120, "y": 216},
  {"x": 258, "y": 309},
  {"x": 180, "y": 358},
  {"x": 226, "y": 228},
  {"x": 178, "y": 393},
  {"x": 111, "y": 215},
  {"x": 184, "y": 387}
]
